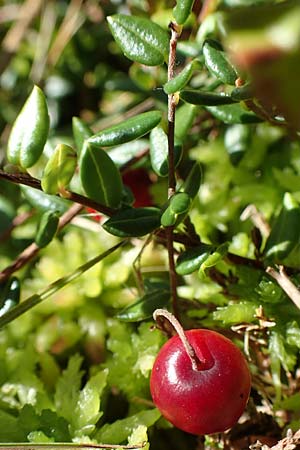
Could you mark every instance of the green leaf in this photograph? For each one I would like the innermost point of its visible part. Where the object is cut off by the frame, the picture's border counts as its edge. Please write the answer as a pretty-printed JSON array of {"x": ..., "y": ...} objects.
[
  {"x": 213, "y": 259},
  {"x": 185, "y": 116},
  {"x": 47, "y": 228},
  {"x": 100, "y": 177},
  {"x": 159, "y": 152},
  {"x": 10, "y": 296},
  {"x": 45, "y": 202},
  {"x": 236, "y": 140},
  {"x": 233, "y": 114},
  {"x": 278, "y": 349},
  {"x": 293, "y": 335},
  {"x": 140, "y": 39},
  {"x": 127, "y": 131},
  {"x": 30, "y": 131},
  {"x": 218, "y": 63},
  {"x": 284, "y": 234},
  {"x": 192, "y": 183},
  {"x": 123, "y": 153},
  {"x": 179, "y": 81},
  {"x": 120, "y": 430},
  {"x": 236, "y": 313},
  {"x": 196, "y": 97},
  {"x": 87, "y": 412},
  {"x": 182, "y": 10},
  {"x": 291, "y": 403},
  {"x": 191, "y": 259},
  {"x": 68, "y": 387},
  {"x": 179, "y": 205},
  {"x": 144, "y": 307},
  {"x": 244, "y": 92},
  {"x": 133, "y": 222},
  {"x": 59, "y": 169},
  {"x": 9, "y": 431},
  {"x": 81, "y": 132}
]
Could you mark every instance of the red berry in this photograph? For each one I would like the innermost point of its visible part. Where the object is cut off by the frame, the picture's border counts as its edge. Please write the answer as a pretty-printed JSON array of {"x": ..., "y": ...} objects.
[{"x": 204, "y": 401}]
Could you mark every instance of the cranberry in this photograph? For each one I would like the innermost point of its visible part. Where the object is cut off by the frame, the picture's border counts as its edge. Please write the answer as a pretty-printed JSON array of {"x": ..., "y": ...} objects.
[
  {"x": 139, "y": 182},
  {"x": 205, "y": 399}
]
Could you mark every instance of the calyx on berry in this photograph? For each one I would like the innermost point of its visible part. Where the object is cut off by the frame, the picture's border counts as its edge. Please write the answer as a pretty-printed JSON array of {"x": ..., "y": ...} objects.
[{"x": 200, "y": 380}]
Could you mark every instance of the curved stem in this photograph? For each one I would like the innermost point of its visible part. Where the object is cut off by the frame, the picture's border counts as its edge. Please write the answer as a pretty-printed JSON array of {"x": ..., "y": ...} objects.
[{"x": 180, "y": 331}]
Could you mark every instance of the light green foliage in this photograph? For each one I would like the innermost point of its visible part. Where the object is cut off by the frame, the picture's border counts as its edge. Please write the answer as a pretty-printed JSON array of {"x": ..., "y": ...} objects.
[
  {"x": 132, "y": 350},
  {"x": 122, "y": 429}
]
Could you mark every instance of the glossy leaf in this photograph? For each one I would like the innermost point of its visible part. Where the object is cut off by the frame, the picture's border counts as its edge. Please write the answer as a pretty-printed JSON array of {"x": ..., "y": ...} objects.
[
  {"x": 127, "y": 131},
  {"x": 81, "y": 132},
  {"x": 144, "y": 307},
  {"x": 159, "y": 152},
  {"x": 47, "y": 229},
  {"x": 285, "y": 233},
  {"x": 133, "y": 222},
  {"x": 180, "y": 81},
  {"x": 140, "y": 39},
  {"x": 232, "y": 114},
  {"x": 30, "y": 131},
  {"x": 182, "y": 10},
  {"x": 196, "y": 97},
  {"x": 213, "y": 259},
  {"x": 10, "y": 296},
  {"x": 45, "y": 202},
  {"x": 185, "y": 116},
  {"x": 191, "y": 259},
  {"x": 236, "y": 140},
  {"x": 122, "y": 154},
  {"x": 179, "y": 205},
  {"x": 244, "y": 92},
  {"x": 217, "y": 62},
  {"x": 59, "y": 169},
  {"x": 100, "y": 177},
  {"x": 192, "y": 183}
]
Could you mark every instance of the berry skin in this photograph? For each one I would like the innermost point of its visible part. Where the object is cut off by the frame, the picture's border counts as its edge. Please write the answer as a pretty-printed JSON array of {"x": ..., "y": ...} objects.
[{"x": 204, "y": 401}]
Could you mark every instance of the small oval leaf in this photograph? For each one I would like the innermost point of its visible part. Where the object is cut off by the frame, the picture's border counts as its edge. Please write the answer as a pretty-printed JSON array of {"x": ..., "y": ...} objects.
[
  {"x": 81, "y": 132},
  {"x": 10, "y": 296},
  {"x": 185, "y": 116},
  {"x": 192, "y": 183},
  {"x": 218, "y": 63},
  {"x": 30, "y": 131},
  {"x": 140, "y": 39},
  {"x": 133, "y": 222},
  {"x": 190, "y": 260},
  {"x": 244, "y": 92},
  {"x": 47, "y": 229},
  {"x": 285, "y": 233},
  {"x": 145, "y": 306},
  {"x": 182, "y": 10},
  {"x": 45, "y": 202},
  {"x": 236, "y": 140},
  {"x": 206, "y": 98},
  {"x": 233, "y": 114},
  {"x": 100, "y": 177},
  {"x": 159, "y": 152},
  {"x": 180, "y": 81},
  {"x": 179, "y": 205},
  {"x": 128, "y": 130},
  {"x": 213, "y": 259},
  {"x": 59, "y": 169}
]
